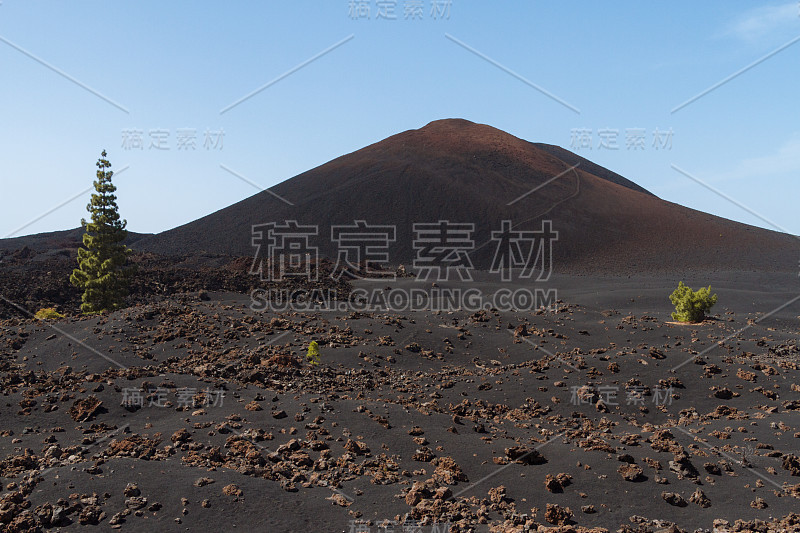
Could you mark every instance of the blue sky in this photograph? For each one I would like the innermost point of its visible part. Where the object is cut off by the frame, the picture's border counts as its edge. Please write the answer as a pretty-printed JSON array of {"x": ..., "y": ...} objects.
[{"x": 82, "y": 76}]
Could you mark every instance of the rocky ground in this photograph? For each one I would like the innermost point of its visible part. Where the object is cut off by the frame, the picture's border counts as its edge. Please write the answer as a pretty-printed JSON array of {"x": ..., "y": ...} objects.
[
  {"x": 34, "y": 279},
  {"x": 192, "y": 412}
]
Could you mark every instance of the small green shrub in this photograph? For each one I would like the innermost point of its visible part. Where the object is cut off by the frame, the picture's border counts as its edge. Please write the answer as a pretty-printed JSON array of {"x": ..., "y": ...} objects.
[
  {"x": 691, "y": 306},
  {"x": 313, "y": 356},
  {"x": 48, "y": 313}
]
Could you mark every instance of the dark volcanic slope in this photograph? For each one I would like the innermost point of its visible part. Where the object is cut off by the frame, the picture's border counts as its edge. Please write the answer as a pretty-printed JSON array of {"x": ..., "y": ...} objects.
[
  {"x": 571, "y": 159},
  {"x": 464, "y": 172},
  {"x": 55, "y": 240}
]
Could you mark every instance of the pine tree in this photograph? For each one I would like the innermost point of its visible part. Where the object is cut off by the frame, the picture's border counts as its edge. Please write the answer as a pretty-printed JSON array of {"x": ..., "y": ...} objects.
[{"x": 102, "y": 273}]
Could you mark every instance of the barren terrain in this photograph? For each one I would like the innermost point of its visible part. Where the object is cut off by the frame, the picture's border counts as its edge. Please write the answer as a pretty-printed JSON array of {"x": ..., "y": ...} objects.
[{"x": 600, "y": 414}]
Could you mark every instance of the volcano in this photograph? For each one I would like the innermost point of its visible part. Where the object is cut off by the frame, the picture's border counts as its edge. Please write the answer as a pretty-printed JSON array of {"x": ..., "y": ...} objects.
[
  {"x": 413, "y": 411},
  {"x": 463, "y": 172}
]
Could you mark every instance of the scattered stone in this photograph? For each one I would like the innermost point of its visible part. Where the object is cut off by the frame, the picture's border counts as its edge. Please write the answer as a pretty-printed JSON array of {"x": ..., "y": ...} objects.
[
  {"x": 699, "y": 497},
  {"x": 180, "y": 436},
  {"x": 85, "y": 409},
  {"x": 524, "y": 455},
  {"x": 759, "y": 503},
  {"x": 557, "y": 515},
  {"x": 558, "y": 482},
  {"x": 630, "y": 472},
  {"x": 447, "y": 471},
  {"x": 253, "y": 406},
  {"x": 340, "y": 500},
  {"x": 673, "y": 498},
  {"x": 792, "y": 464},
  {"x": 232, "y": 490},
  {"x": 135, "y": 502}
]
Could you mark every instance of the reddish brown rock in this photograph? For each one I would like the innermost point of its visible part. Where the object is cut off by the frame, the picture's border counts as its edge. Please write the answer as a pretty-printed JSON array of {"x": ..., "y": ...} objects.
[
  {"x": 631, "y": 472},
  {"x": 557, "y": 515},
  {"x": 85, "y": 409},
  {"x": 448, "y": 472}
]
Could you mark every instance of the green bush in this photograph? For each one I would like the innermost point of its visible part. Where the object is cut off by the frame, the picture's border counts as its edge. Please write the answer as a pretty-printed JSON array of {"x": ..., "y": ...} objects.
[
  {"x": 313, "y": 356},
  {"x": 48, "y": 313},
  {"x": 691, "y": 306}
]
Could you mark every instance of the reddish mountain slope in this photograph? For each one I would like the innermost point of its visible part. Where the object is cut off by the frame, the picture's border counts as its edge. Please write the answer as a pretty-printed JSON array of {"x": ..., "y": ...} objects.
[{"x": 464, "y": 172}]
